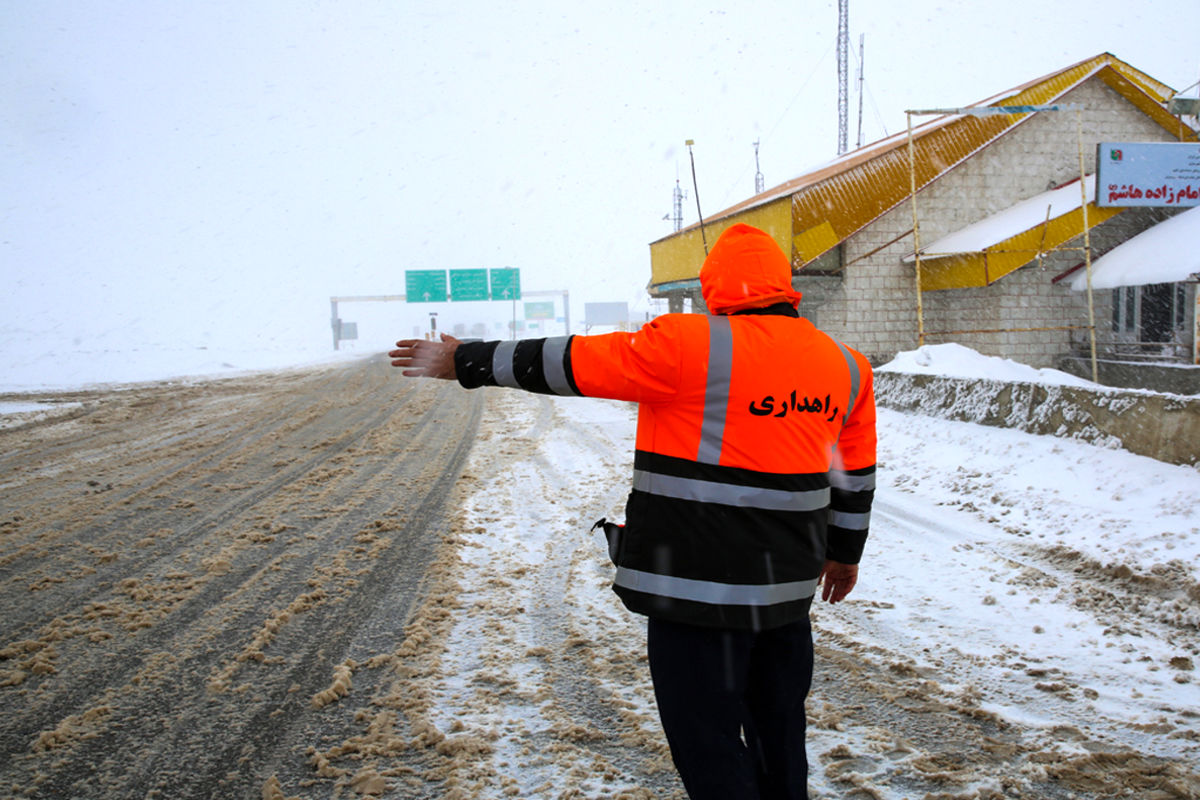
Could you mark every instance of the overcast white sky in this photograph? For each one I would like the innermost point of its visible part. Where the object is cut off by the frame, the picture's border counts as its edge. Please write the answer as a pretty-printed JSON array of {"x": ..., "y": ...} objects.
[{"x": 214, "y": 170}]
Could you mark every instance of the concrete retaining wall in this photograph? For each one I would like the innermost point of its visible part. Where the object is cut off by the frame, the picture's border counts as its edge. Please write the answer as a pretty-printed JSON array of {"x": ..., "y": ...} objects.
[
  {"x": 1162, "y": 426},
  {"x": 1174, "y": 378}
]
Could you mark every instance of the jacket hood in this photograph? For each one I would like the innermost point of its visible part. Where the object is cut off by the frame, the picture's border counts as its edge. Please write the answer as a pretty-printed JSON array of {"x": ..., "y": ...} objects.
[{"x": 746, "y": 269}]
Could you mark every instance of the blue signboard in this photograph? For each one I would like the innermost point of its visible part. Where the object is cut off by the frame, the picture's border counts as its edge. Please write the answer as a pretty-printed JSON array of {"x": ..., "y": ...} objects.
[{"x": 1148, "y": 174}]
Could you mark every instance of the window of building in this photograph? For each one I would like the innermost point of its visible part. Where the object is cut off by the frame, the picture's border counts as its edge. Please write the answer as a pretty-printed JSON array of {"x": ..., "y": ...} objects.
[{"x": 1124, "y": 309}]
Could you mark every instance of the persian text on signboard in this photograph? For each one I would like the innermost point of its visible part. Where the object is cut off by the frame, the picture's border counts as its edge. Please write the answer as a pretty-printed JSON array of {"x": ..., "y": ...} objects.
[{"x": 1148, "y": 174}]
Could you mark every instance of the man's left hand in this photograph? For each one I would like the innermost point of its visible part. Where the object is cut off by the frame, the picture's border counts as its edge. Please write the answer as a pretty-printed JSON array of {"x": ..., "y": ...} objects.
[{"x": 837, "y": 579}]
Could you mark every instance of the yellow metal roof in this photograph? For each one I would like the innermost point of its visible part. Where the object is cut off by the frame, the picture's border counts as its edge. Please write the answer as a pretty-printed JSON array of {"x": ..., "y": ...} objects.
[
  {"x": 991, "y": 248},
  {"x": 815, "y": 212},
  {"x": 994, "y": 262}
]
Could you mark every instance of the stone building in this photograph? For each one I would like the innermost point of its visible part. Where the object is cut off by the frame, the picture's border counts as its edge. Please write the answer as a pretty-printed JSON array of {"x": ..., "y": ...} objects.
[{"x": 1000, "y": 220}]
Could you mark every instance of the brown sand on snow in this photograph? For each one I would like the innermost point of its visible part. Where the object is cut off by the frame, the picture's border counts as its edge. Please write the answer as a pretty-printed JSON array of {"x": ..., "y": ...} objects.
[
  {"x": 241, "y": 587},
  {"x": 261, "y": 587}
]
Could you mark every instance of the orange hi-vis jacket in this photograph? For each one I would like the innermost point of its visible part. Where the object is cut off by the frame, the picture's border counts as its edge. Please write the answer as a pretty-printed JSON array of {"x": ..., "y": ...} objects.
[{"x": 754, "y": 459}]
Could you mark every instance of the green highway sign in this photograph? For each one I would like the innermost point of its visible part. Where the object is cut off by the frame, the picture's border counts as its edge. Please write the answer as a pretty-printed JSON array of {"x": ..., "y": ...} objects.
[
  {"x": 506, "y": 283},
  {"x": 431, "y": 286},
  {"x": 425, "y": 285},
  {"x": 539, "y": 310},
  {"x": 468, "y": 284}
]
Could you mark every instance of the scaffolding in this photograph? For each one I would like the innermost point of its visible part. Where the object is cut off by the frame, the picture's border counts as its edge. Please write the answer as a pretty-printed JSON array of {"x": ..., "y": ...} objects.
[{"x": 982, "y": 111}]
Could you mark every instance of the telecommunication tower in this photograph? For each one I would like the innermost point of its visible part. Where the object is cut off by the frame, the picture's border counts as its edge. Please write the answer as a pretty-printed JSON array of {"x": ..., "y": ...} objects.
[
  {"x": 843, "y": 50},
  {"x": 676, "y": 215}
]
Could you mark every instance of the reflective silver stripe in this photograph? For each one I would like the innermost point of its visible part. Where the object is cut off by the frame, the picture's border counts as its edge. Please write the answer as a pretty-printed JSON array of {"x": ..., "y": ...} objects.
[
  {"x": 855, "y": 379},
  {"x": 851, "y": 522},
  {"x": 726, "y": 594},
  {"x": 716, "y": 393},
  {"x": 729, "y": 494},
  {"x": 502, "y": 364},
  {"x": 554, "y": 366},
  {"x": 852, "y": 483}
]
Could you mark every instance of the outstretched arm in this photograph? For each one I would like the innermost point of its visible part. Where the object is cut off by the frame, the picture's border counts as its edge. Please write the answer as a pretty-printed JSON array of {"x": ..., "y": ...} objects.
[{"x": 419, "y": 358}]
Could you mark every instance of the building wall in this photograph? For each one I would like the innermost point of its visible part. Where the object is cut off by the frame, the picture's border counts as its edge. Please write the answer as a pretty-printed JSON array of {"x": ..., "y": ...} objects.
[{"x": 875, "y": 308}]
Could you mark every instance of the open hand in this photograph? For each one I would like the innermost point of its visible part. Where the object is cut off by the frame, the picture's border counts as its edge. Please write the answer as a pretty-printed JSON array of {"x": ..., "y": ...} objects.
[{"x": 419, "y": 358}]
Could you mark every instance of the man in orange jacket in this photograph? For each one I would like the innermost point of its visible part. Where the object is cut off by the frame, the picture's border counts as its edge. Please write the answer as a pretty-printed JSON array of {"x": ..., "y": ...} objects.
[{"x": 754, "y": 473}]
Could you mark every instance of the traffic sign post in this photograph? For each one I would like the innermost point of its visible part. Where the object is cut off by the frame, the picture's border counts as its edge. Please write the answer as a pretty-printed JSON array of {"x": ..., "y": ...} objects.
[{"x": 425, "y": 285}]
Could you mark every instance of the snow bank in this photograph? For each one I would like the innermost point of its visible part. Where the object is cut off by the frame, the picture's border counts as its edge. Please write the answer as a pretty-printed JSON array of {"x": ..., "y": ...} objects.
[
  {"x": 957, "y": 361},
  {"x": 954, "y": 382}
]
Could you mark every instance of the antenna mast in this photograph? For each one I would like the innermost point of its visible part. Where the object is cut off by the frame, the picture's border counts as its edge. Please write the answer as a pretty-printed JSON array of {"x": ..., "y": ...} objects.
[
  {"x": 861, "y": 67},
  {"x": 843, "y": 48},
  {"x": 677, "y": 217},
  {"x": 696, "y": 190},
  {"x": 758, "y": 176}
]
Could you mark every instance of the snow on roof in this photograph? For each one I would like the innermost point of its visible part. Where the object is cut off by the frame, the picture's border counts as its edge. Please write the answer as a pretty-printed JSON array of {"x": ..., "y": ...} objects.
[
  {"x": 1013, "y": 220},
  {"x": 1167, "y": 253}
]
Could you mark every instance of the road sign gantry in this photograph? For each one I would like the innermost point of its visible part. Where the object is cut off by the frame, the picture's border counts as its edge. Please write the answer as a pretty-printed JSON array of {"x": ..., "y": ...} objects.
[{"x": 463, "y": 285}]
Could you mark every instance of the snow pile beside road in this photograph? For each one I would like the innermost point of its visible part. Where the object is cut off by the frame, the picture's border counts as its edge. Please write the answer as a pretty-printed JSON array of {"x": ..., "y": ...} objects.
[
  {"x": 954, "y": 382},
  {"x": 956, "y": 361}
]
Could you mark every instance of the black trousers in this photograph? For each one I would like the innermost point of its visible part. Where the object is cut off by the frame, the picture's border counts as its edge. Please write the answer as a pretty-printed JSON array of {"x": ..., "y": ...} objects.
[{"x": 732, "y": 706}]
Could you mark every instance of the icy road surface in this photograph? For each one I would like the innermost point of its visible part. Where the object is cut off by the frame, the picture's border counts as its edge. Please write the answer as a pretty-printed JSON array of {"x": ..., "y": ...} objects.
[{"x": 343, "y": 583}]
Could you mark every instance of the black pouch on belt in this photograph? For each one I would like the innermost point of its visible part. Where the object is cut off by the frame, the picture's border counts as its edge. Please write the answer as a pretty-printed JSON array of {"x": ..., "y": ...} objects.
[{"x": 613, "y": 532}]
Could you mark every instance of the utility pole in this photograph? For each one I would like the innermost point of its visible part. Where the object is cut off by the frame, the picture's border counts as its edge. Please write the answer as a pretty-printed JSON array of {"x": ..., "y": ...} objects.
[
  {"x": 759, "y": 184},
  {"x": 861, "y": 66},
  {"x": 843, "y": 48},
  {"x": 696, "y": 191}
]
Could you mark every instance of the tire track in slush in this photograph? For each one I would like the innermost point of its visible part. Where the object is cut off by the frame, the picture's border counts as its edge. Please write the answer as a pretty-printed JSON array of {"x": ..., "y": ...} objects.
[
  {"x": 316, "y": 650},
  {"x": 135, "y": 706},
  {"x": 166, "y": 551},
  {"x": 44, "y": 441},
  {"x": 172, "y": 458},
  {"x": 581, "y": 700},
  {"x": 529, "y": 688},
  {"x": 48, "y": 484},
  {"x": 208, "y": 600}
]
